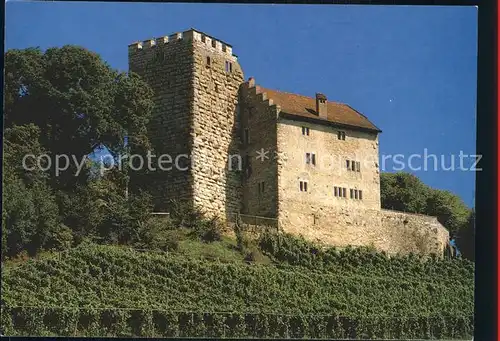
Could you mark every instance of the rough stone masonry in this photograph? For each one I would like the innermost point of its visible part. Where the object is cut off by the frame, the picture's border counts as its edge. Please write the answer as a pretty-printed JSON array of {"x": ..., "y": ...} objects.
[{"x": 309, "y": 163}]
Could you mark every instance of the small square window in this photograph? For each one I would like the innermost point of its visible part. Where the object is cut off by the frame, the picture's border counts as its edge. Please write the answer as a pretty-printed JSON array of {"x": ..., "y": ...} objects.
[
  {"x": 305, "y": 131},
  {"x": 303, "y": 186},
  {"x": 341, "y": 135},
  {"x": 310, "y": 159}
]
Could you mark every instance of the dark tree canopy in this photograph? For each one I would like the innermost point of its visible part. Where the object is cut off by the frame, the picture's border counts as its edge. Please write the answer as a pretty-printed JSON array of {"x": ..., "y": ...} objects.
[
  {"x": 66, "y": 101},
  {"x": 76, "y": 100}
]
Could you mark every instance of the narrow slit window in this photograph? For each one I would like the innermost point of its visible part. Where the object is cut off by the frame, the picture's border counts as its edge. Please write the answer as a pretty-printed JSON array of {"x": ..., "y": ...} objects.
[
  {"x": 246, "y": 136},
  {"x": 353, "y": 166},
  {"x": 335, "y": 192},
  {"x": 208, "y": 61},
  {"x": 341, "y": 135},
  {"x": 360, "y": 195},
  {"x": 305, "y": 131},
  {"x": 356, "y": 194},
  {"x": 261, "y": 187},
  {"x": 348, "y": 164},
  {"x": 352, "y": 193},
  {"x": 343, "y": 192},
  {"x": 358, "y": 166}
]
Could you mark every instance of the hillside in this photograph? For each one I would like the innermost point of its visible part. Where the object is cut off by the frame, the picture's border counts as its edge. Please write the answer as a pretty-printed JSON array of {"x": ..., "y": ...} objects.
[{"x": 208, "y": 289}]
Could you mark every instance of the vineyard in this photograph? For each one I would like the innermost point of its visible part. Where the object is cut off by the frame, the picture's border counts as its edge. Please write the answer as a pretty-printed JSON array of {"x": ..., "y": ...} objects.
[{"x": 306, "y": 292}]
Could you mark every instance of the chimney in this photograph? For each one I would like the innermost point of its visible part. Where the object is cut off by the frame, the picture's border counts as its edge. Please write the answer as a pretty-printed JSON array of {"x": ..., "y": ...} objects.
[{"x": 321, "y": 105}]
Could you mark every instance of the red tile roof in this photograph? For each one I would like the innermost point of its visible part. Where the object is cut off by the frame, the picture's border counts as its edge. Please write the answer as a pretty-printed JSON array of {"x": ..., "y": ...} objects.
[{"x": 305, "y": 107}]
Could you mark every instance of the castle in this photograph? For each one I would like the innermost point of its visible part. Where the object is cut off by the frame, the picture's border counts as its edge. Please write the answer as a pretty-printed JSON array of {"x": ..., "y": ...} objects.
[{"x": 310, "y": 163}]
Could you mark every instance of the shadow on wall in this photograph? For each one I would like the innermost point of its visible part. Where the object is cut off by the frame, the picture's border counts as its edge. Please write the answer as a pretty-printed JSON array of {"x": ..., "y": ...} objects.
[{"x": 233, "y": 170}]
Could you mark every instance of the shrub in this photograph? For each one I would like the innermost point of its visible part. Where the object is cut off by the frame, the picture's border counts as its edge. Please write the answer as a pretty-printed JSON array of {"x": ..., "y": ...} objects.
[{"x": 208, "y": 230}]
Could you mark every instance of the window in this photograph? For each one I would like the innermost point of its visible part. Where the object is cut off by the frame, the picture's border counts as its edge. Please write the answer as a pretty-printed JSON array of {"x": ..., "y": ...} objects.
[
  {"x": 303, "y": 186},
  {"x": 305, "y": 131},
  {"x": 246, "y": 137},
  {"x": 248, "y": 166},
  {"x": 229, "y": 67},
  {"x": 354, "y": 166},
  {"x": 261, "y": 187},
  {"x": 339, "y": 192},
  {"x": 310, "y": 159},
  {"x": 356, "y": 194},
  {"x": 208, "y": 61},
  {"x": 341, "y": 135}
]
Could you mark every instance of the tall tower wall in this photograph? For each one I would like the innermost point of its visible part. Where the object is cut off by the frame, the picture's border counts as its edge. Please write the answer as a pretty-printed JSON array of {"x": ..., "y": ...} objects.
[{"x": 195, "y": 79}]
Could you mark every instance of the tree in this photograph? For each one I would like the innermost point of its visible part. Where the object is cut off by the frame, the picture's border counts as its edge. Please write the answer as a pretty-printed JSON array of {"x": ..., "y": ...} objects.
[
  {"x": 30, "y": 216},
  {"x": 466, "y": 238},
  {"x": 405, "y": 192},
  {"x": 77, "y": 101},
  {"x": 449, "y": 209}
]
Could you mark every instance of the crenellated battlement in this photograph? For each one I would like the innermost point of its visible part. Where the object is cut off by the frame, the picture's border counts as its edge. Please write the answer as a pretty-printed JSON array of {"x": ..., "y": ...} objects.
[{"x": 191, "y": 35}]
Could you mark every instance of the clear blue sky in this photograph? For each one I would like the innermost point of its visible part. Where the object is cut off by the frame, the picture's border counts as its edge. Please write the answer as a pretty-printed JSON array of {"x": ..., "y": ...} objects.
[{"x": 411, "y": 70}]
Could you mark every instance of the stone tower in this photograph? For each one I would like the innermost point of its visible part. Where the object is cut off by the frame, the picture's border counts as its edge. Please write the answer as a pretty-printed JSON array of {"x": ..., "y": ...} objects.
[{"x": 195, "y": 78}]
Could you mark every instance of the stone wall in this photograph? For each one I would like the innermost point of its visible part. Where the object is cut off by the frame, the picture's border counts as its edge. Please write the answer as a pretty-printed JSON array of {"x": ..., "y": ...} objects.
[
  {"x": 260, "y": 176},
  {"x": 166, "y": 64},
  {"x": 195, "y": 79},
  {"x": 330, "y": 169},
  {"x": 217, "y": 77},
  {"x": 390, "y": 231}
]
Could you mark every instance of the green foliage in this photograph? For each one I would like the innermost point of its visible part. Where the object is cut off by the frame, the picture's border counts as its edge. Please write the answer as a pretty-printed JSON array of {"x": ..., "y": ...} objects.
[
  {"x": 258, "y": 299},
  {"x": 405, "y": 192},
  {"x": 465, "y": 238},
  {"x": 76, "y": 100},
  {"x": 30, "y": 216},
  {"x": 365, "y": 261},
  {"x": 162, "y": 323},
  {"x": 104, "y": 276}
]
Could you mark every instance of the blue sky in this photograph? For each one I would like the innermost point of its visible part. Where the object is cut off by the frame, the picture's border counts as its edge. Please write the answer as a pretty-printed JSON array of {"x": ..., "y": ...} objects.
[{"x": 410, "y": 70}]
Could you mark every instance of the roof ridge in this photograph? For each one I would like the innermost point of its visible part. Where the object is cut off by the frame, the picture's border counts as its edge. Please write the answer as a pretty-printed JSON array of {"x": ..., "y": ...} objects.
[{"x": 296, "y": 94}]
